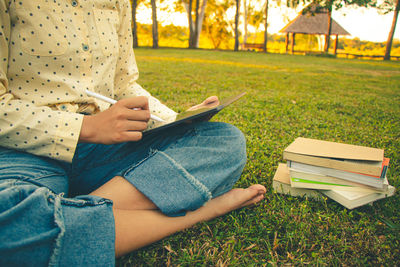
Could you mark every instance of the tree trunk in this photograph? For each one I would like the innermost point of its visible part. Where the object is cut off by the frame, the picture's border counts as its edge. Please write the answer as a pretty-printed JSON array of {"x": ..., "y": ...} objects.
[
  {"x": 237, "y": 25},
  {"x": 195, "y": 38},
  {"x": 155, "y": 26},
  {"x": 191, "y": 27},
  {"x": 200, "y": 22},
  {"x": 329, "y": 30},
  {"x": 391, "y": 33},
  {"x": 134, "y": 26},
  {"x": 266, "y": 26},
  {"x": 245, "y": 21},
  {"x": 196, "y": 24}
]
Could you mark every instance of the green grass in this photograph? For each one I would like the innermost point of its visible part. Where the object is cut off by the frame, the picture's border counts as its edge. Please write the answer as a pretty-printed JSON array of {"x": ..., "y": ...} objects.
[{"x": 349, "y": 101}]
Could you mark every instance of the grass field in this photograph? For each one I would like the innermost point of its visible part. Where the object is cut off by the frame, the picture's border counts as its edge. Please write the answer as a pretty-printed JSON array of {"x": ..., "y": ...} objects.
[{"x": 350, "y": 101}]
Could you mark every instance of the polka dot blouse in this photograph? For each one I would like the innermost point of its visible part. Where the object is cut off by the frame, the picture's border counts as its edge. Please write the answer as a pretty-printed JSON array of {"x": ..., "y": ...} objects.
[{"x": 51, "y": 52}]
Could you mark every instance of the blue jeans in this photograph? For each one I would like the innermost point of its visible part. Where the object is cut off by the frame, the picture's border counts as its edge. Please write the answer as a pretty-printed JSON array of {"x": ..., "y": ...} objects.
[{"x": 48, "y": 218}]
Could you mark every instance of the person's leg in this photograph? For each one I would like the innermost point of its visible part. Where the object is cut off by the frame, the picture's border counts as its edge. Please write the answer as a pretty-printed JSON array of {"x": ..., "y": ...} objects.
[
  {"x": 178, "y": 171},
  {"x": 124, "y": 195},
  {"x": 203, "y": 163},
  {"x": 33, "y": 169},
  {"x": 137, "y": 224},
  {"x": 41, "y": 227},
  {"x": 137, "y": 228}
]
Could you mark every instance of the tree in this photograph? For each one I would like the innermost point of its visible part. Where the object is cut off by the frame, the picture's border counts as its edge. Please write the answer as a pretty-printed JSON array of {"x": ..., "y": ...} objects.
[
  {"x": 155, "y": 23},
  {"x": 245, "y": 21},
  {"x": 191, "y": 28},
  {"x": 266, "y": 26},
  {"x": 216, "y": 26},
  {"x": 237, "y": 25},
  {"x": 392, "y": 30},
  {"x": 134, "y": 4},
  {"x": 196, "y": 22},
  {"x": 199, "y": 22},
  {"x": 329, "y": 30}
]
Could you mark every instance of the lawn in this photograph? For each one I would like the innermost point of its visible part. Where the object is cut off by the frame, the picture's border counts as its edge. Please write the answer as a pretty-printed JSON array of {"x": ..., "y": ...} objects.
[{"x": 349, "y": 101}]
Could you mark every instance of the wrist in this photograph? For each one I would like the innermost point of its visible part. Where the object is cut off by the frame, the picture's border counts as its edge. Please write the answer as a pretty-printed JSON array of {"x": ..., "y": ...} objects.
[{"x": 87, "y": 133}]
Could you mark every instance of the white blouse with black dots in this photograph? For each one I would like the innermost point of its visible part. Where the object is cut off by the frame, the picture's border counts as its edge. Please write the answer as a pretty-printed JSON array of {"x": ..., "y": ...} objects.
[{"x": 51, "y": 52}]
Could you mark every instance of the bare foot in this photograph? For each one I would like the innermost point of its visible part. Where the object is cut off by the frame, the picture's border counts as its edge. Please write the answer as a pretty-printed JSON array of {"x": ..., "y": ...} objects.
[
  {"x": 138, "y": 228},
  {"x": 232, "y": 200}
]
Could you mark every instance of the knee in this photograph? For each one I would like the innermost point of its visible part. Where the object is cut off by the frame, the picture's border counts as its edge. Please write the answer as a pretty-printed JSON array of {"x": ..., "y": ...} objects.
[
  {"x": 235, "y": 141},
  {"x": 230, "y": 143}
]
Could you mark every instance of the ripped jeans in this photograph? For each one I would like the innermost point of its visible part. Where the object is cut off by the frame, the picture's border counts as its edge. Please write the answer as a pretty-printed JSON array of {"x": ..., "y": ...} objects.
[{"x": 47, "y": 217}]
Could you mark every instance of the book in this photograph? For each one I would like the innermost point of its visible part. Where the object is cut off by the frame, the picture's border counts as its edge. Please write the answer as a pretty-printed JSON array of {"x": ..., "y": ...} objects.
[
  {"x": 281, "y": 184},
  {"x": 335, "y": 155},
  {"x": 317, "y": 181},
  {"x": 200, "y": 114},
  {"x": 351, "y": 200},
  {"x": 377, "y": 182}
]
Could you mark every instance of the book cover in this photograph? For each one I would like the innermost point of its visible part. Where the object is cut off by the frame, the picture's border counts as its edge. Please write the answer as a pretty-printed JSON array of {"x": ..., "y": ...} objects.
[
  {"x": 336, "y": 155},
  {"x": 281, "y": 184},
  {"x": 353, "y": 200}
]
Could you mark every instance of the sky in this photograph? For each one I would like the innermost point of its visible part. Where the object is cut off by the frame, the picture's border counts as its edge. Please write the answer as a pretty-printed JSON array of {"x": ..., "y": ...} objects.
[
  {"x": 371, "y": 27},
  {"x": 365, "y": 23}
]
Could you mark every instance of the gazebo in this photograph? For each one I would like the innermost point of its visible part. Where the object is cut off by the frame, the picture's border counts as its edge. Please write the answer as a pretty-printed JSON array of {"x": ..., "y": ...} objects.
[{"x": 312, "y": 20}]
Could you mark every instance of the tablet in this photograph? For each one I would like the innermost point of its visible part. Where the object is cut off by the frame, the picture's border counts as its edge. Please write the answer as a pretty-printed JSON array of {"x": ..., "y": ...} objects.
[{"x": 194, "y": 115}]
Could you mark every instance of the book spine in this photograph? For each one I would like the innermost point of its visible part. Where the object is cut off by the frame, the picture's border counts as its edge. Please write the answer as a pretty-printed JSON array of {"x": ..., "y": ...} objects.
[{"x": 384, "y": 170}]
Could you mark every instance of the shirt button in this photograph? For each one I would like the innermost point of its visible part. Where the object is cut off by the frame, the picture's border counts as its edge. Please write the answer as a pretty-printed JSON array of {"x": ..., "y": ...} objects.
[
  {"x": 74, "y": 3},
  {"x": 85, "y": 47}
]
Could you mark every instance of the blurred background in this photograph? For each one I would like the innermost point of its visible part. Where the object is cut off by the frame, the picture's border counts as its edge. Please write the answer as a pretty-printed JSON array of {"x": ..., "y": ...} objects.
[{"x": 230, "y": 24}]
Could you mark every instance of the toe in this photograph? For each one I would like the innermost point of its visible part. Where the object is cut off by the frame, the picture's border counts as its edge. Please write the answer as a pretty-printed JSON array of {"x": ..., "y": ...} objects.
[{"x": 259, "y": 188}]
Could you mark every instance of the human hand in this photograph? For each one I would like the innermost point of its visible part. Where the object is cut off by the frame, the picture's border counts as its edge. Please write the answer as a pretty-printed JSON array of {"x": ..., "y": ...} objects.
[
  {"x": 210, "y": 102},
  {"x": 120, "y": 123}
]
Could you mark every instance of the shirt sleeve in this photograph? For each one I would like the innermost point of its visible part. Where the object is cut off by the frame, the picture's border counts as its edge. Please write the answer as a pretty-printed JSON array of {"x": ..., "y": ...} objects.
[
  {"x": 25, "y": 126},
  {"x": 127, "y": 71}
]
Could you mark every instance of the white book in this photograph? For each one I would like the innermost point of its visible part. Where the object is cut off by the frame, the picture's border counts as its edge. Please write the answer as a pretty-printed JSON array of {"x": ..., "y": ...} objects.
[
  {"x": 345, "y": 175},
  {"x": 351, "y": 200}
]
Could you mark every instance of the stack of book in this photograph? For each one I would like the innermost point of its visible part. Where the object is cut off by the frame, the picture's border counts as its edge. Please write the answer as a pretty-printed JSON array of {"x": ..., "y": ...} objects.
[{"x": 349, "y": 174}]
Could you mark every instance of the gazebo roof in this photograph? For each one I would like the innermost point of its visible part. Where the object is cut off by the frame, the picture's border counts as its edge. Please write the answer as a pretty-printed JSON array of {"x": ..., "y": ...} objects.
[{"x": 313, "y": 20}]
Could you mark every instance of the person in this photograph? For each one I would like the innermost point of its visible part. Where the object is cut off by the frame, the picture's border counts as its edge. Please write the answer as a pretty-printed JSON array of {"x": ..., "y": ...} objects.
[{"x": 79, "y": 183}]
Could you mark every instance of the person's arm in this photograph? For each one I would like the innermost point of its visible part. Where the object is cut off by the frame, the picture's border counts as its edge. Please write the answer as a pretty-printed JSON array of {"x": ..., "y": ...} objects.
[
  {"x": 119, "y": 123},
  {"x": 126, "y": 71},
  {"x": 25, "y": 126}
]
